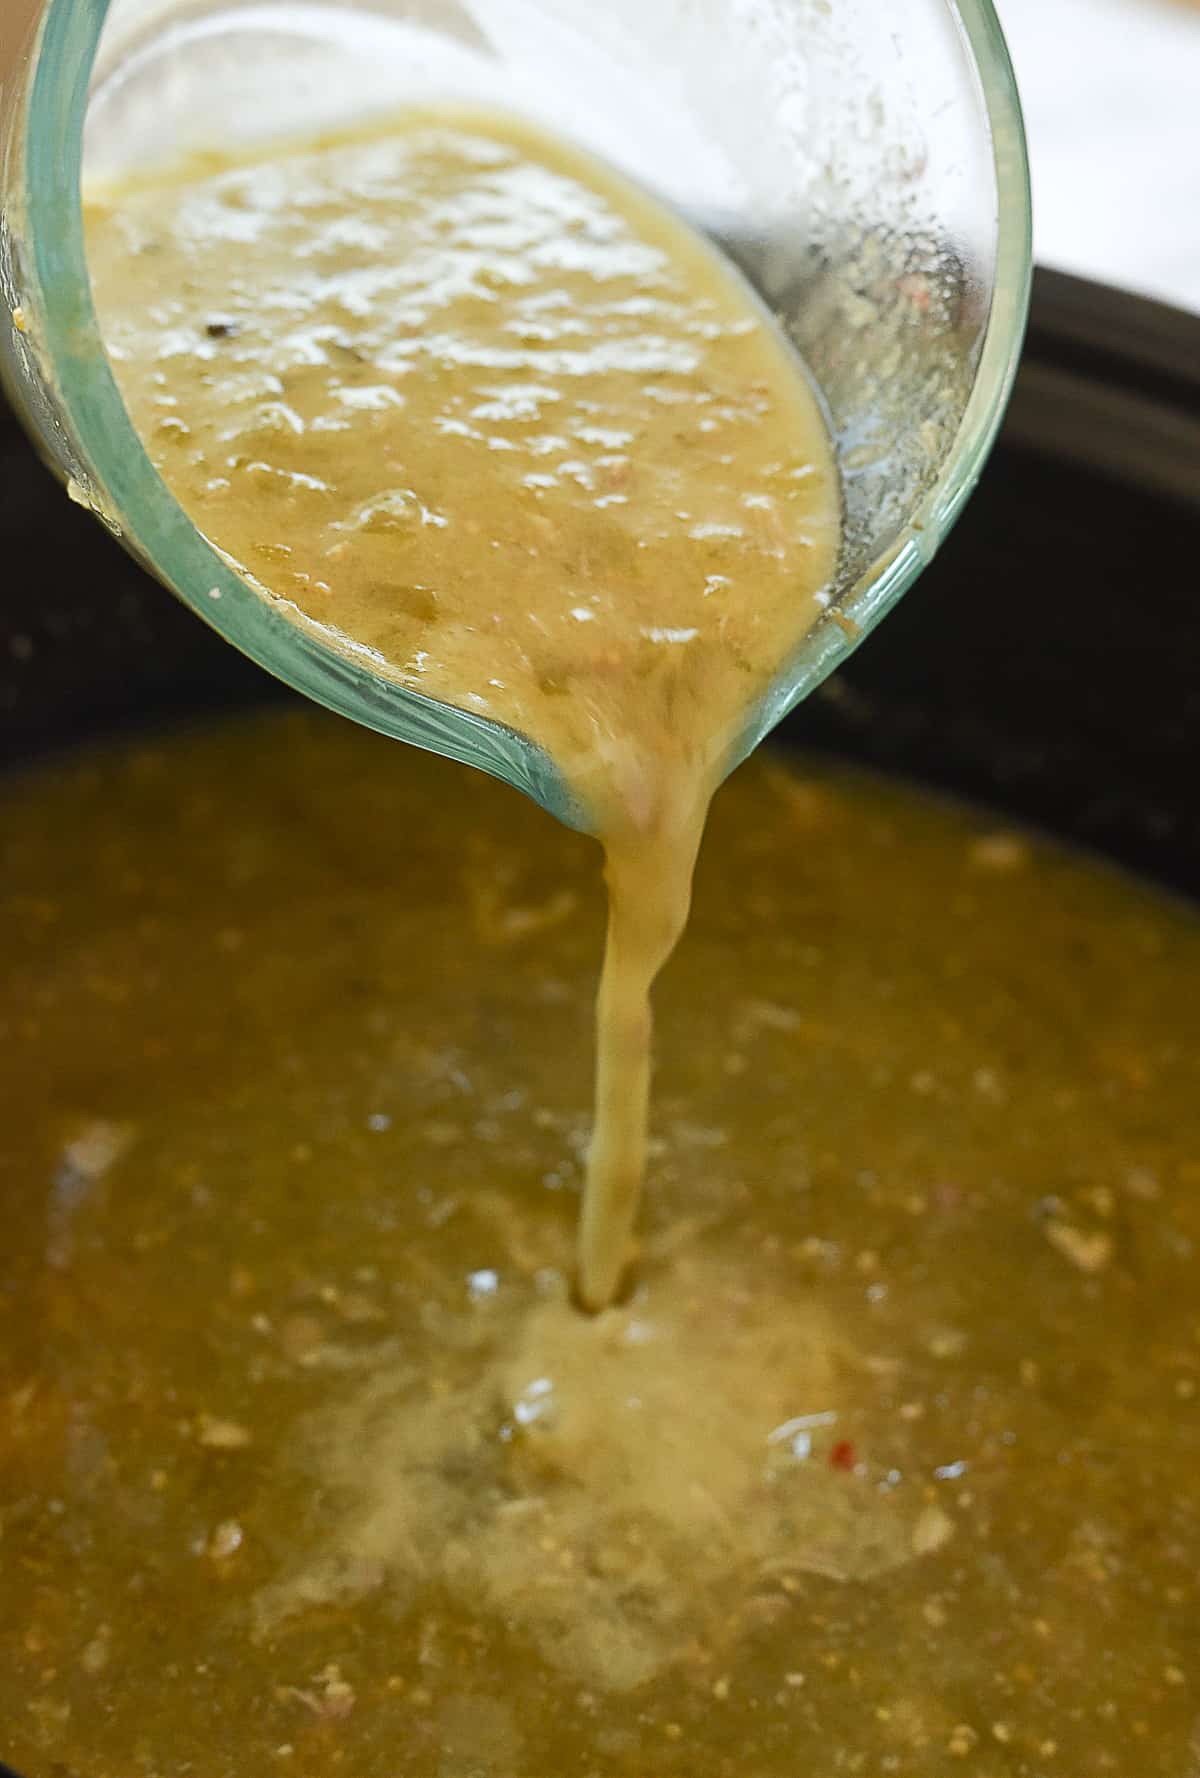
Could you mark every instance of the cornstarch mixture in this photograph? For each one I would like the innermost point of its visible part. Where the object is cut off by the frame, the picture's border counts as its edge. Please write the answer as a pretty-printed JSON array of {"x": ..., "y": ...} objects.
[
  {"x": 465, "y": 401},
  {"x": 887, "y": 1462}
]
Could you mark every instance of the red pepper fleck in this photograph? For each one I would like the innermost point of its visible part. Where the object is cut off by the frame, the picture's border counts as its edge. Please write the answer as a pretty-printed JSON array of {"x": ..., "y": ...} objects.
[
  {"x": 915, "y": 286},
  {"x": 842, "y": 1455}
]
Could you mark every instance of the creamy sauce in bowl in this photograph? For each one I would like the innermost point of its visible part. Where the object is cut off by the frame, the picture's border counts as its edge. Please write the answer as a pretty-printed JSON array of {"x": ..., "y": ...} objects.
[{"x": 470, "y": 404}]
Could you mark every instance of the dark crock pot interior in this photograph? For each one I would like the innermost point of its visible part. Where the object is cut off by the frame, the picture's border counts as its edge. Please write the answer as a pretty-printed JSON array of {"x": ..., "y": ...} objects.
[{"x": 1047, "y": 664}]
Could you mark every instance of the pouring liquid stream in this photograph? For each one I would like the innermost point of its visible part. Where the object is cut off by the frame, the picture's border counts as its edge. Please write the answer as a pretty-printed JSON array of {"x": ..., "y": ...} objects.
[
  {"x": 462, "y": 400},
  {"x": 649, "y": 879}
]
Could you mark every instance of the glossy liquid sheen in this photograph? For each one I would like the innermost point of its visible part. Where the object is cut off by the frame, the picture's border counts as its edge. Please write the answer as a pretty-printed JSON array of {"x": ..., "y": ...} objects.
[
  {"x": 307, "y": 1465},
  {"x": 464, "y": 400}
]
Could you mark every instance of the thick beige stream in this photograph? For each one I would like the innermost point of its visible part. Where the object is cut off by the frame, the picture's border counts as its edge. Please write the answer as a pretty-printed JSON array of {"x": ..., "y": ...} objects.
[
  {"x": 457, "y": 396},
  {"x": 649, "y": 877}
]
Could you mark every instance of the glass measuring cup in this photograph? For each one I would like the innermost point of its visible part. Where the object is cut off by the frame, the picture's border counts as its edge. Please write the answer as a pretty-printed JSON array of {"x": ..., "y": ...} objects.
[{"x": 870, "y": 179}]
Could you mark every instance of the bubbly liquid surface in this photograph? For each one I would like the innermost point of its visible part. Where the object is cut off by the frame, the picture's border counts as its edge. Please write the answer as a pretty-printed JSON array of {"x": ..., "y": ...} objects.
[
  {"x": 888, "y": 1462},
  {"x": 465, "y": 400}
]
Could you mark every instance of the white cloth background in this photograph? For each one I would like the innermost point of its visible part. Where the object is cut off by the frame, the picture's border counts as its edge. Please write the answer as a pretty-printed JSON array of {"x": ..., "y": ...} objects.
[{"x": 1111, "y": 90}]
